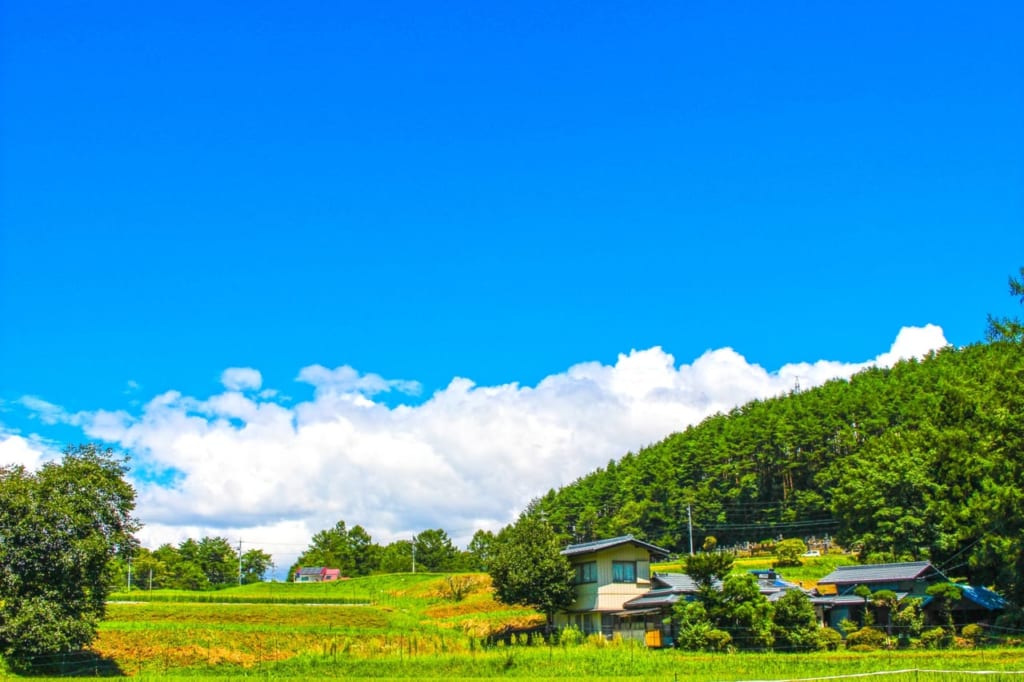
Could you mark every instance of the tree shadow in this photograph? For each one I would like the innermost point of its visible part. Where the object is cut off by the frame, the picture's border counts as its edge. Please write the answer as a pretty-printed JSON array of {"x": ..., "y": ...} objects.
[{"x": 71, "y": 664}]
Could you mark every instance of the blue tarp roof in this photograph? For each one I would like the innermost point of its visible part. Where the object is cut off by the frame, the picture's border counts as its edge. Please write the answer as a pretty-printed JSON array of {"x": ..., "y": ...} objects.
[{"x": 983, "y": 597}]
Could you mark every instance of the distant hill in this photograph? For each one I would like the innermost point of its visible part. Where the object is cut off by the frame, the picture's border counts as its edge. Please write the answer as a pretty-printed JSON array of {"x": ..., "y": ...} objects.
[{"x": 923, "y": 460}]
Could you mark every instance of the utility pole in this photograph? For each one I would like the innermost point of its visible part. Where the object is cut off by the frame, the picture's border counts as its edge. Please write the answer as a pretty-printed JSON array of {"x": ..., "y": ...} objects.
[
  {"x": 689, "y": 525},
  {"x": 239, "y": 561},
  {"x": 129, "y": 574},
  {"x": 413, "y": 553}
]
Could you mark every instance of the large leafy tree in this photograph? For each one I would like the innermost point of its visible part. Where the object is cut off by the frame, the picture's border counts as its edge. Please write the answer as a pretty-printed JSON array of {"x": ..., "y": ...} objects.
[
  {"x": 218, "y": 561},
  {"x": 396, "y": 557},
  {"x": 60, "y": 529},
  {"x": 350, "y": 549},
  {"x": 255, "y": 563},
  {"x": 528, "y": 568},
  {"x": 480, "y": 549},
  {"x": 435, "y": 551}
]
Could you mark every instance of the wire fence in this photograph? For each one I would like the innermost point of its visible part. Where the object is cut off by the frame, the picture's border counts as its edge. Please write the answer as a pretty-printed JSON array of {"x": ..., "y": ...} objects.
[{"x": 890, "y": 673}]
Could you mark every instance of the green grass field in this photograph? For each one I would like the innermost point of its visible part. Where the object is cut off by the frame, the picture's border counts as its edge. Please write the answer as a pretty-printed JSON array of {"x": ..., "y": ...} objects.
[
  {"x": 807, "y": 574},
  {"x": 408, "y": 627}
]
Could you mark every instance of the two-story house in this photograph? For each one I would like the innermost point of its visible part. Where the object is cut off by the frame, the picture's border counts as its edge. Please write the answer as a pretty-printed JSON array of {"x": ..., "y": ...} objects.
[{"x": 608, "y": 574}]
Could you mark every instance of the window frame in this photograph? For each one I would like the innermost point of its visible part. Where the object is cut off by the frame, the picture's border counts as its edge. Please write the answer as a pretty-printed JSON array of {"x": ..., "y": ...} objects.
[
  {"x": 618, "y": 568},
  {"x": 586, "y": 573}
]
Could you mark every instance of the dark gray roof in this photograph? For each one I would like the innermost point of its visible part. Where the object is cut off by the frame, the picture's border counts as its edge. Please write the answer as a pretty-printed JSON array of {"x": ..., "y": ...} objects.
[
  {"x": 654, "y": 599},
  {"x": 679, "y": 582},
  {"x": 880, "y": 573},
  {"x": 668, "y": 588},
  {"x": 598, "y": 545},
  {"x": 311, "y": 570}
]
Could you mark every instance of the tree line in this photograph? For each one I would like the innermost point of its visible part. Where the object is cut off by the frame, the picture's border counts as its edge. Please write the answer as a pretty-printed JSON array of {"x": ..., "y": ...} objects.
[
  {"x": 212, "y": 563},
  {"x": 923, "y": 460},
  {"x": 209, "y": 563},
  {"x": 353, "y": 551}
]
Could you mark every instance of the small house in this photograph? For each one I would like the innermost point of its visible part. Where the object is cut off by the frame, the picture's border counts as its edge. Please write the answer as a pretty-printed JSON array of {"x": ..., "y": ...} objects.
[
  {"x": 609, "y": 573},
  {"x": 317, "y": 574},
  {"x": 905, "y": 579}
]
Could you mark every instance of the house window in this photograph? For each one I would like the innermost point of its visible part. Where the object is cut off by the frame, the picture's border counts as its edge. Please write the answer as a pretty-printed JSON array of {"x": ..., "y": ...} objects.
[
  {"x": 624, "y": 571},
  {"x": 586, "y": 573}
]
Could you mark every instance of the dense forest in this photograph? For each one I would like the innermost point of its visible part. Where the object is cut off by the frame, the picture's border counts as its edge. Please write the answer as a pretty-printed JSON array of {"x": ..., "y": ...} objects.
[{"x": 924, "y": 460}]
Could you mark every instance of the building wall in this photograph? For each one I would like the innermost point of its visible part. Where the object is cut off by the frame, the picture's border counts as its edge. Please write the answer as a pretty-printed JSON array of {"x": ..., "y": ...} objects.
[{"x": 605, "y": 595}]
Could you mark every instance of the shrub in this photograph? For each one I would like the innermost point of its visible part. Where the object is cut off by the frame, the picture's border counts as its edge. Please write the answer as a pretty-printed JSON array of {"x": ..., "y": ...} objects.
[
  {"x": 866, "y": 639},
  {"x": 694, "y": 626},
  {"x": 789, "y": 551},
  {"x": 935, "y": 638},
  {"x": 829, "y": 639},
  {"x": 719, "y": 640},
  {"x": 570, "y": 635},
  {"x": 457, "y": 587},
  {"x": 973, "y": 633},
  {"x": 847, "y": 626}
]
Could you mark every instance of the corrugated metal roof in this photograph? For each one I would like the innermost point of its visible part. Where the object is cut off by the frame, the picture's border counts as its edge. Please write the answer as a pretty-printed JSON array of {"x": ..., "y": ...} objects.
[
  {"x": 598, "y": 545},
  {"x": 879, "y": 573}
]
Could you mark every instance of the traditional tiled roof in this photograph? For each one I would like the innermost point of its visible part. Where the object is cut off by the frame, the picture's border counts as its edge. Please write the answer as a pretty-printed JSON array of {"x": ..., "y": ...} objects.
[
  {"x": 669, "y": 588},
  {"x": 654, "y": 598},
  {"x": 598, "y": 545},
  {"x": 677, "y": 581},
  {"x": 880, "y": 573}
]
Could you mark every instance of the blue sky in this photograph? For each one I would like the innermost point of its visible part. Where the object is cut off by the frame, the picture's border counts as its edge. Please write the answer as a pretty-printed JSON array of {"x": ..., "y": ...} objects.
[{"x": 492, "y": 193}]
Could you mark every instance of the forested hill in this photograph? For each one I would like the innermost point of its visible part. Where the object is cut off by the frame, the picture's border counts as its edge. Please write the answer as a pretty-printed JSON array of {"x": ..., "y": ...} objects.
[{"x": 923, "y": 460}]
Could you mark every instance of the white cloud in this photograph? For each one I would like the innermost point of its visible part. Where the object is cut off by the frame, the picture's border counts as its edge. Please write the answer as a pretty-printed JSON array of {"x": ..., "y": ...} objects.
[
  {"x": 467, "y": 457},
  {"x": 241, "y": 378},
  {"x": 345, "y": 379},
  {"x": 47, "y": 412},
  {"x": 913, "y": 342},
  {"x": 16, "y": 450}
]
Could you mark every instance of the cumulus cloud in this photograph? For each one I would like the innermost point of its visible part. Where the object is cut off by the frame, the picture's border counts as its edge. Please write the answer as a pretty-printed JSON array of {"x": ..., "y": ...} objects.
[
  {"x": 17, "y": 450},
  {"x": 467, "y": 457},
  {"x": 241, "y": 379}
]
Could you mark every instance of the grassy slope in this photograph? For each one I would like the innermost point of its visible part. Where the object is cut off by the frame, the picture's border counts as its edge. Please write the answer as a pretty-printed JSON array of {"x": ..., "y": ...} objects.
[
  {"x": 255, "y": 626},
  {"x": 411, "y": 630}
]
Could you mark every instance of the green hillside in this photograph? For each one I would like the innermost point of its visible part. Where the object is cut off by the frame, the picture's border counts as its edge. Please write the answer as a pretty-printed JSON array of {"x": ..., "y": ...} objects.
[{"x": 923, "y": 460}]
